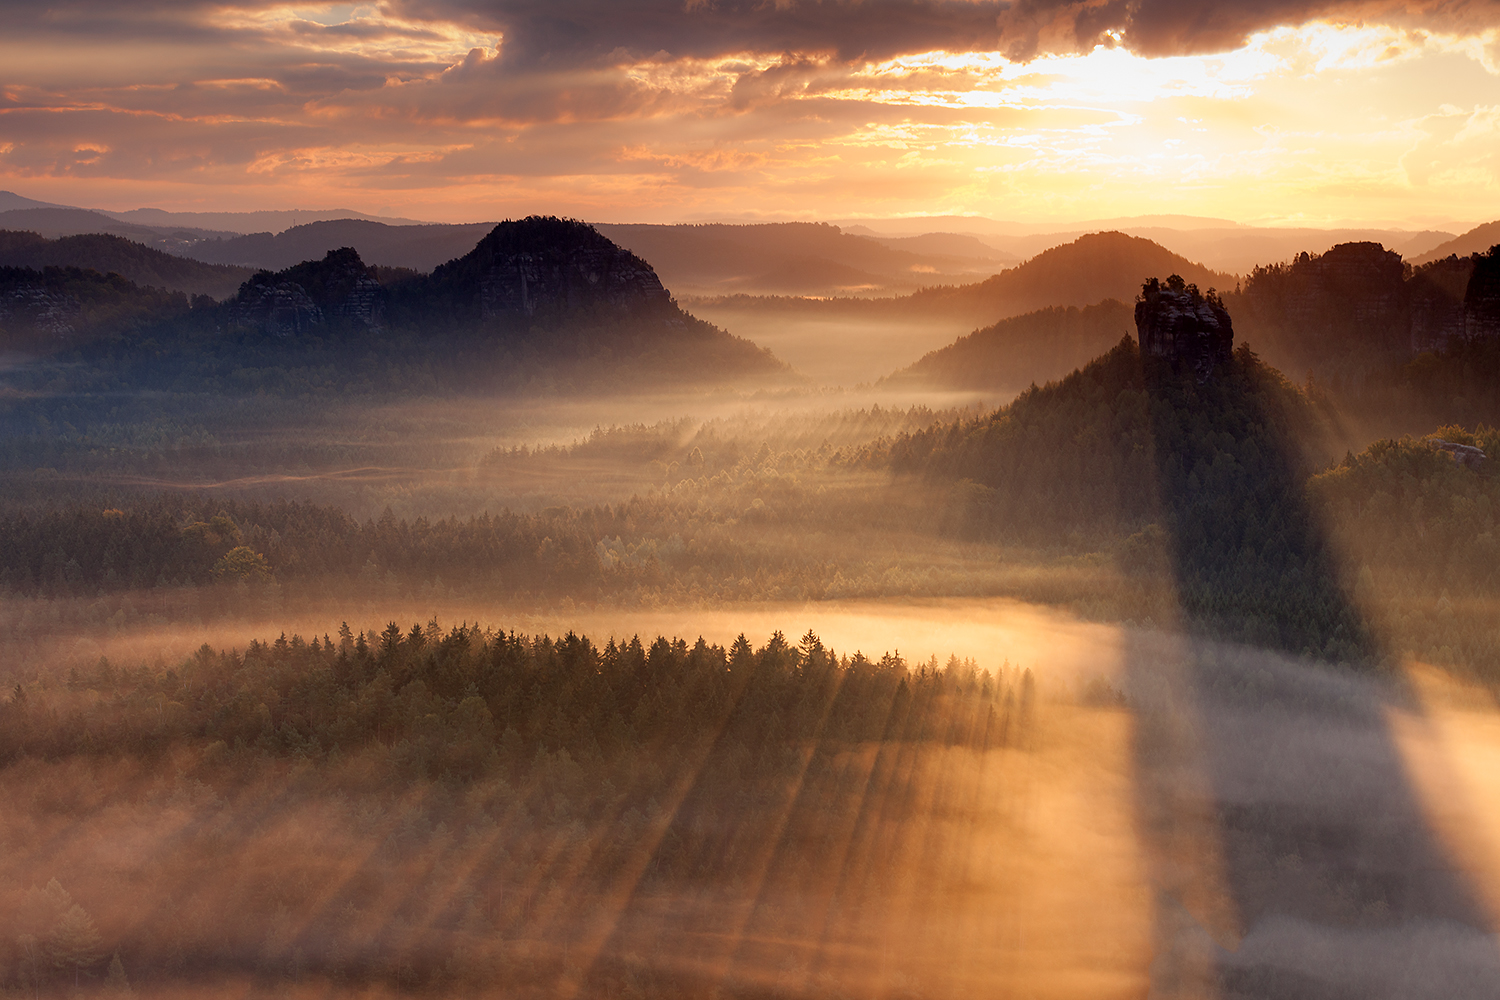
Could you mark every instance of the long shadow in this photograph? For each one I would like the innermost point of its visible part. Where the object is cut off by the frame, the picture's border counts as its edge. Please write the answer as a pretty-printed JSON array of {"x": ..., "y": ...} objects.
[{"x": 1288, "y": 848}]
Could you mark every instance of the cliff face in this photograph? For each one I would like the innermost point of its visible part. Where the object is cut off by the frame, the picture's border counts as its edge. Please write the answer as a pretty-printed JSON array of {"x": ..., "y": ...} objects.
[
  {"x": 30, "y": 304},
  {"x": 1173, "y": 320},
  {"x": 303, "y": 297},
  {"x": 1437, "y": 303},
  {"x": 1482, "y": 297},
  {"x": 545, "y": 266}
]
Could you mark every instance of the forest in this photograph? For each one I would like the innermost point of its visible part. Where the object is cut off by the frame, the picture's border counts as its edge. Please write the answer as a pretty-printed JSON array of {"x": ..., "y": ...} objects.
[{"x": 1072, "y": 584}]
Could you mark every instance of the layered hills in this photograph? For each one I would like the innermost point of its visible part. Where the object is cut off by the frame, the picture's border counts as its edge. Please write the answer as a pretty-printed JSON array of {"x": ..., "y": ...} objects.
[
  {"x": 111, "y": 254},
  {"x": 419, "y": 247},
  {"x": 536, "y": 301}
]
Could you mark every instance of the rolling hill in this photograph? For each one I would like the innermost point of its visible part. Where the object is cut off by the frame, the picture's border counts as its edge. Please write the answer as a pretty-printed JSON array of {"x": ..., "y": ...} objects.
[
  {"x": 420, "y": 247},
  {"x": 1091, "y": 269},
  {"x": 802, "y": 258},
  {"x": 110, "y": 254},
  {"x": 1477, "y": 240},
  {"x": 1013, "y": 353}
]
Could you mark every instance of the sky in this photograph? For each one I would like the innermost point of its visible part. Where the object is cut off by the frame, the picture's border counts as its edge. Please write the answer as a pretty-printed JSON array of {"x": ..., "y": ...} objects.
[{"x": 1308, "y": 112}]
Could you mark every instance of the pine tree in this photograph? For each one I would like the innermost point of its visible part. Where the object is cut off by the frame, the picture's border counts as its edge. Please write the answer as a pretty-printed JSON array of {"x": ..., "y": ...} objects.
[
  {"x": 115, "y": 980},
  {"x": 75, "y": 941}
]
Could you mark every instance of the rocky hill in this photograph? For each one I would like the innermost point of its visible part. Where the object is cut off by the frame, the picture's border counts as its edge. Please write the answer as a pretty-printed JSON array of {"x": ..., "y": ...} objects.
[{"x": 311, "y": 294}]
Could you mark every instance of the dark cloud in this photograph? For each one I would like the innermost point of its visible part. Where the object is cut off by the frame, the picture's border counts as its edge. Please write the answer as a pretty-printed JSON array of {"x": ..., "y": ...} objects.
[
  {"x": 545, "y": 32},
  {"x": 1179, "y": 27},
  {"x": 605, "y": 31}
]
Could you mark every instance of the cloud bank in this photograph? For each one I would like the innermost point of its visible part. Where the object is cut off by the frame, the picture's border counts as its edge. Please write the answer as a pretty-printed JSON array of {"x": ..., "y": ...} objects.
[{"x": 659, "y": 109}]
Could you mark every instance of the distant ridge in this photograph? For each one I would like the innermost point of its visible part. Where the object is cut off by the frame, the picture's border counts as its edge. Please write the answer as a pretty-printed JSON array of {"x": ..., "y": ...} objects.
[
  {"x": 274, "y": 220},
  {"x": 420, "y": 247},
  {"x": 1013, "y": 353},
  {"x": 1477, "y": 240},
  {"x": 1091, "y": 269},
  {"x": 55, "y": 222},
  {"x": 107, "y": 254}
]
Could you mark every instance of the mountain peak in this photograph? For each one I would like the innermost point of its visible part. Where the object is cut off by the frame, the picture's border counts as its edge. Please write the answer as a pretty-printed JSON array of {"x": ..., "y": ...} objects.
[{"x": 543, "y": 266}]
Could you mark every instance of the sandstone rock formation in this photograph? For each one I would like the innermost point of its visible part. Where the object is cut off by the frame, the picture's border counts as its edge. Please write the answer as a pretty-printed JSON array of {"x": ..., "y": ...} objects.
[
  {"x": 1466, "y": 455},
  {"x": 1436, "y": 295},
  {"x": 30, "y": 304},
  {"x": 546, "y": 267},
  {"x": 1173, "y": 320},
  {"x": 1482, "y": 298},
  {"x": 308, "y": 295},
  {"x": 280, "y": 308}
]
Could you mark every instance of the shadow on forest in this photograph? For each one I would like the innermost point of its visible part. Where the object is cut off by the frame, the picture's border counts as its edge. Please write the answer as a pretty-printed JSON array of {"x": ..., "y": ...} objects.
[{"x": 1287, "y": 847}]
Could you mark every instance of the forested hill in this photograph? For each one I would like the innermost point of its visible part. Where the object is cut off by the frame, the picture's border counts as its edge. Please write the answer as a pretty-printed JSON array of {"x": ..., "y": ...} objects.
[
  {"x": 540, "y": 301},
  {"x": 108, "y": 254},
  {"x": 1022, "y": 350},
  {"x": 1202, "y": 482},
  {"x": 1089, "y": 270}
]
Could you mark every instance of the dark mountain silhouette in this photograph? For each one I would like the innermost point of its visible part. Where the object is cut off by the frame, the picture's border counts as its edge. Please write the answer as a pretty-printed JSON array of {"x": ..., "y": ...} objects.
[
  {"x": 1477, "y": 240},
  {"x": 108, "y": 254},
  {"x": 421, "y": 248},
  {"x": 1015, "y": 352},
  {"x": 1088, "y": 270},
  {"x": 538, "y": 298},
  {"x": 311, "y": 294}
]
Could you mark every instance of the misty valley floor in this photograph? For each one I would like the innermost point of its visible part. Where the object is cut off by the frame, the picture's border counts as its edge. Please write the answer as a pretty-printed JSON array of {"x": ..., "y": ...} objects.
[{"x": 1164, "y": 817}]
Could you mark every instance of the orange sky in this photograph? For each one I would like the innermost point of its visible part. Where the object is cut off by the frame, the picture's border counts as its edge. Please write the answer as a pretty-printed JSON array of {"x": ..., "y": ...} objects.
[{"x": 1262, "y": 111}]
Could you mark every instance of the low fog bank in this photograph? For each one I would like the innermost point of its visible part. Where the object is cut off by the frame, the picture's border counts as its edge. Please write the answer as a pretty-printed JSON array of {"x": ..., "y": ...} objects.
[{"x": 1137, "y": 811}]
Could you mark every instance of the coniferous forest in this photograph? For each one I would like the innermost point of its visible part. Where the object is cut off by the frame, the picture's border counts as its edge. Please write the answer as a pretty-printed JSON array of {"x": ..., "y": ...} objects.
[{"x": 386, "y": 632}]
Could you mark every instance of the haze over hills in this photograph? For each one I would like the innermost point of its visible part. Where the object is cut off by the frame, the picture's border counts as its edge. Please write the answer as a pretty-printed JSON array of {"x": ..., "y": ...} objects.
[
  {"x": 801, "y": 258},
  {"x": 1477, "y": 240},
  {"x": 421, "y": 247},
  {"x": 1034, "y": 348},
  {"x": 55, "y": 222},
  {"x": 107, "y": 253},
  {"x": 1216, "y": 243}
]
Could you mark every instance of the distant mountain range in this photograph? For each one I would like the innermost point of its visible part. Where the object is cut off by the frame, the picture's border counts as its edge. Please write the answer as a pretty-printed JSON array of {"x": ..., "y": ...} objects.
[
  {"x": 419, "y": 247},
  {"x": 1088, "y": 270},
  {"x": 803, "y": 258}
]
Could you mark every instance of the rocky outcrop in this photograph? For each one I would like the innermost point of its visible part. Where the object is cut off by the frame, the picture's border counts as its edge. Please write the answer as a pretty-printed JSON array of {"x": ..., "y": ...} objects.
[
  {"x": 32, "y": 305},
  {"x": 1173, "y": 320},
  {"x": 1466, "y": 455},
  {"x": 279, "y": 308},
  {"x": 1482, "y": 298},
  {"x": 1436, "y": 300},
  {"x": 541, "y": 267},
  {"x": 310, "y": 294}
]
